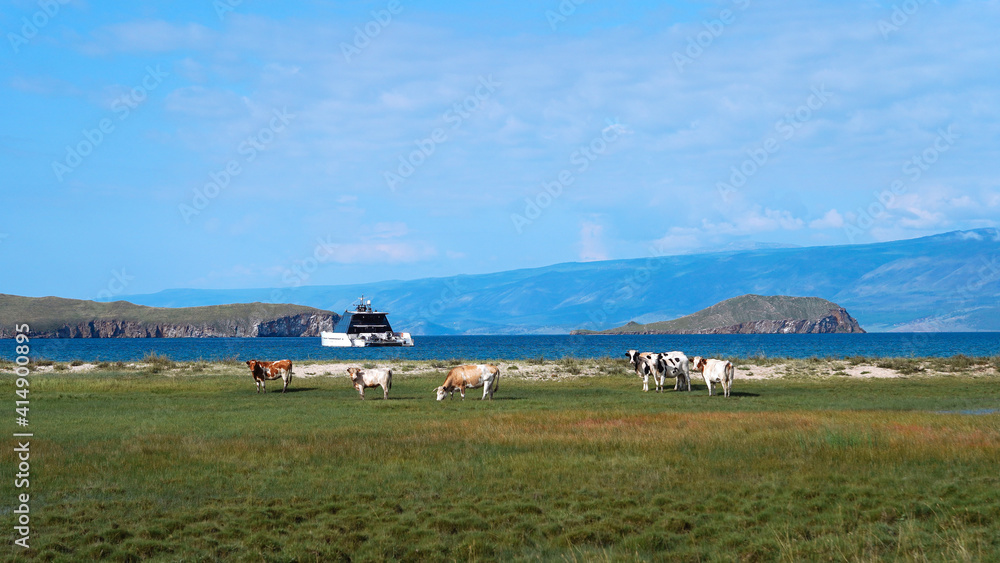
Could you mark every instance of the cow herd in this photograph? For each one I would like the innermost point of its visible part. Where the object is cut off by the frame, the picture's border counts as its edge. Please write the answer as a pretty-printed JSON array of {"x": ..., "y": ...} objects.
[
  {"x": 673, "y": 365},
  {"x": 678, "y": 367}
]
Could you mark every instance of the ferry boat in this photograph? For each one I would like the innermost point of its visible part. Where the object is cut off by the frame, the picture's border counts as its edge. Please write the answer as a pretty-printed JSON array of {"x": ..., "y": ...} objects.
[{"x": 364, "y": 327}]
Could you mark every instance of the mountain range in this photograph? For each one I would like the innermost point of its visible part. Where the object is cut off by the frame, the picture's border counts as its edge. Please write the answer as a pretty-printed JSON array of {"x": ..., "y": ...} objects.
[{"x": 945, "y": 282}]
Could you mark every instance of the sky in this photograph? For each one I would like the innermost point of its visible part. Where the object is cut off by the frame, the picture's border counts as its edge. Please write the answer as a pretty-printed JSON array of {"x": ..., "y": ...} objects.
[{"x": 243, "y": 144}]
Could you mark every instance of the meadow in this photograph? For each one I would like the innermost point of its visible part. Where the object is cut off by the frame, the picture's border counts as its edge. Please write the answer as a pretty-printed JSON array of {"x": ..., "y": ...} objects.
[{"x": 185, "y": 462}]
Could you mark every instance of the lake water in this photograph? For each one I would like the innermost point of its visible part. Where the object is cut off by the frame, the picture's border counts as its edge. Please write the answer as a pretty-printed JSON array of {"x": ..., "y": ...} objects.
[{"x": 521, "y": 347}]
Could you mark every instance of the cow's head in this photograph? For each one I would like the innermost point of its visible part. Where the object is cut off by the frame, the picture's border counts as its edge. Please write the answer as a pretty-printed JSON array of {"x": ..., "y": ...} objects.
[
  {"x": 698, "y": 363},
  {"x": 253, "y": 364},
  {"x": 441, "y": 393},
  {"x": 354, "y": 374},
  {"x": 631, "y": 354}
]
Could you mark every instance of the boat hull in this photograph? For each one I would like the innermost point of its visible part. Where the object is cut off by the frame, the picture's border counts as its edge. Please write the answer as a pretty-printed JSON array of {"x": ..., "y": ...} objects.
[{"x": 341, "y": 340}]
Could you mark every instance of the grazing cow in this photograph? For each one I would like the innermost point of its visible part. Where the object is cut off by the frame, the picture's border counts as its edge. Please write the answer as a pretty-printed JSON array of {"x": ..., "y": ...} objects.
[
  {"x": 263, "y": 371},
  {"x": 715, "y": 371},
  {"x": 643, "y": 364},
  {"x": 486, "y": 376},
  {"x": 674, "y": 365},
  {"x": 364, "y": 378}
]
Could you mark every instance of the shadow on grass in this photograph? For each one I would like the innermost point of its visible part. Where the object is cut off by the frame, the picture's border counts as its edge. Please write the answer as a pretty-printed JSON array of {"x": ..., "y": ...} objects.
[
  {"x": 468, "y": 398},
  {"x": 291, "y": 390}
]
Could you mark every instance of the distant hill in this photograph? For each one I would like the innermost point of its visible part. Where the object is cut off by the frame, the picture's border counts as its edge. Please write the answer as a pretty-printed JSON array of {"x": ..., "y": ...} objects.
[
  {"x": 753, "y": 314},
  {"x": 52, "y": 317},
  {"x": 946, "y": 282}
]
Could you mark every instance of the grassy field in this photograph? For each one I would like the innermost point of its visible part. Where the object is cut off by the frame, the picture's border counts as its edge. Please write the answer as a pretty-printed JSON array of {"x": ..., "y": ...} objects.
[{"x": 138, "y": 464}]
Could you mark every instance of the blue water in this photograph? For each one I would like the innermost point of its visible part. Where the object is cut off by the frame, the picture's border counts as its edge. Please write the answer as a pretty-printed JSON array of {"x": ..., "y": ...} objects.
[{"x": 521, "y": 347}]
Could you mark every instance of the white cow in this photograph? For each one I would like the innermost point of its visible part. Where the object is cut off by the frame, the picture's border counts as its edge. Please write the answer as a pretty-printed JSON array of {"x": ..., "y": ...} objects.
[
  {"x": 364, "y": 378},
  {"x": 674, "y": 365},
  {"x": 643, "y": 364},
  {"x": 461, "y": 378},
  {"x": 715, "y": 371}
]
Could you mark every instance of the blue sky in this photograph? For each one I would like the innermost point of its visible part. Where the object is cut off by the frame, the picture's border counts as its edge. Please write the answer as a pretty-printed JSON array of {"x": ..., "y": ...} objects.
[{"x": 205, "y": 144}]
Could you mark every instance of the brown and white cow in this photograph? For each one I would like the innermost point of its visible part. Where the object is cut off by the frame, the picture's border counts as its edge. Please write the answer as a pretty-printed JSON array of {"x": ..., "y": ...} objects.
[
  {"x": 465, "y": 377},
  {"x": 365, "y": 378},
  {"x": 263, "y": 371},
  {"x": 715, "y": 371}
]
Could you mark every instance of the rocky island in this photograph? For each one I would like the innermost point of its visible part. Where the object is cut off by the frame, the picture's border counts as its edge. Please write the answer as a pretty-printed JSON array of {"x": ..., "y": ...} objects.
[{"x": 753, "y": 314}]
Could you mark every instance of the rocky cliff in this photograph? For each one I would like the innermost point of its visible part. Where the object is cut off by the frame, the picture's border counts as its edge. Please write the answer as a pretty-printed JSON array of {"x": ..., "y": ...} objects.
[
  {"x": 754, "y": 314},
  {"x": 51, "y": 317},
  {"x": 837, "y": 321},
  {"x": 295, "y": 325}
]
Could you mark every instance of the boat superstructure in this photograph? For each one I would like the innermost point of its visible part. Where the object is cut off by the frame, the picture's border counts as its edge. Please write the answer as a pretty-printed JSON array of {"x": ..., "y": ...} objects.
[{"x": 364, "y": 327}]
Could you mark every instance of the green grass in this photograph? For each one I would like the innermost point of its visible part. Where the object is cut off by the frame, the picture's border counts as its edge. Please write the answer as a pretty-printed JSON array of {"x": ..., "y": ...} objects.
[{"x": 134, "y": 465}]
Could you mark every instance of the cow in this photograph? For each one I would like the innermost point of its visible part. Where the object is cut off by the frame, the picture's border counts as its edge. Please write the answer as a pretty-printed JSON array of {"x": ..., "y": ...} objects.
[
  {"x": 263, "y": 371},
  {"x": 364, "y": 378},
  {"x": 715, "y": 371},
  {"x": 643, "y": 365},
  {"x": 674, "y": 365},
  {"x": 486, "y": 376}
]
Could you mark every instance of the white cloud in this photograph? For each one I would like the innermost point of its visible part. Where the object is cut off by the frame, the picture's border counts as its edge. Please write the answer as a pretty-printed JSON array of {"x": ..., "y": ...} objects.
[
  {"x": 832, "y": 220},
  {"x": 679, "y": 240},
  {"x": 376, "y": 253},
  {"x": 755, "y": 220},
  {"x": 156, "y": 36},
  {"x": 199, "y": 101},
  {"x": 591, "y": 242}
]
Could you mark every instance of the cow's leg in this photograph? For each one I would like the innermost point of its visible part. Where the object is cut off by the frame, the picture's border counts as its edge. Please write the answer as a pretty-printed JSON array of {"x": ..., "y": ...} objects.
[
  {"x": 645, "y": 381},
  {"x": 385, "y": 393},
  {"x": 286, "y": 385}
]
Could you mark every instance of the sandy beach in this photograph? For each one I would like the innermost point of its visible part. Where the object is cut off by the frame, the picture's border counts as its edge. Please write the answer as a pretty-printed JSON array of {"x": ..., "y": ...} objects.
[{"x": 575, "y": 368}]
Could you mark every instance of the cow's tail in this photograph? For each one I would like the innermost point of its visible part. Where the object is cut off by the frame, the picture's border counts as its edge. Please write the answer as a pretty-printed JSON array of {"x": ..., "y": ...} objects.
[
  {"x": 390, "y": 378},
  {"x": 496, "y": 384}
]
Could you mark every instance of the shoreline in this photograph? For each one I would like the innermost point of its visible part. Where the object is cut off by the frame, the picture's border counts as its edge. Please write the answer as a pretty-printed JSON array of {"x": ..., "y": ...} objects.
[{"x": 534, "y": 369}]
